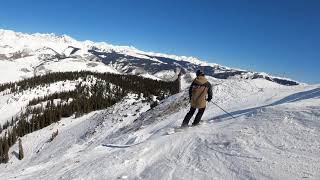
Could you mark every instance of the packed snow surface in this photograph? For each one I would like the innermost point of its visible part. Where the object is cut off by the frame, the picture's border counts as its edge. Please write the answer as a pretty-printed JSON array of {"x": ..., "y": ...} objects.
[{"x": 276, "y": 135}]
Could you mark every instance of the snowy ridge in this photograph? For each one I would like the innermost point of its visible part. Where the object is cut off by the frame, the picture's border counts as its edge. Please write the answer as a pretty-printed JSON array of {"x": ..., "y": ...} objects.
[{"x": 276, "y": 136}]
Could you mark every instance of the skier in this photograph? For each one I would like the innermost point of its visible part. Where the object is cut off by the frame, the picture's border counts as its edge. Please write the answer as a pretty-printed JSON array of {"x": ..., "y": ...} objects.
[{"x": 199, "y": 89}]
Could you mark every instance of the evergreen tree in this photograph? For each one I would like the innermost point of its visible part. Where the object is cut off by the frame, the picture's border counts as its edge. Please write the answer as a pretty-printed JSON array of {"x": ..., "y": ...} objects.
[
  {"x": 1, "y": 150},
  {"x": 54, "y": 134},
  {"x": 6, "y": 152},
  {"x": 11, "y": 123},
  {"x": 21, "y": 155}
]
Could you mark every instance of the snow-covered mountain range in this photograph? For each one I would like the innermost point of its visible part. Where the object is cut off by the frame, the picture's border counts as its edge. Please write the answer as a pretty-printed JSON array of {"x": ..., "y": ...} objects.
[{"x": 25, "y": 55}]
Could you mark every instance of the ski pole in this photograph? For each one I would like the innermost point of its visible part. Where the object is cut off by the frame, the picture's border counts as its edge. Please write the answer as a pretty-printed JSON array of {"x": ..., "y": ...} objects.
[
  {"x": 223, "y": 110},
  {"x": 216, "y": 84}
]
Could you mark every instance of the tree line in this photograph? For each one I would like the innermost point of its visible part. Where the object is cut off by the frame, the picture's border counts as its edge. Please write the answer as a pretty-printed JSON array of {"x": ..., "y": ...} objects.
[
  {"x": 133, "y": 82},
  {"x": 107, "y": 90}
]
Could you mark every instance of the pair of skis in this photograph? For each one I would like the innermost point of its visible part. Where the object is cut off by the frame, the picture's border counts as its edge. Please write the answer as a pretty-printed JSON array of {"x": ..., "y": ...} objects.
[{"x": 171, "y": 131}]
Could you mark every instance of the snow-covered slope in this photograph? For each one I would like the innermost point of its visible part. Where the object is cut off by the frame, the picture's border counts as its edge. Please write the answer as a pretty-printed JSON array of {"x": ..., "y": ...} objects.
[
  {"x": 276, "y": 135},
  {"x": 25, "y": 55}
]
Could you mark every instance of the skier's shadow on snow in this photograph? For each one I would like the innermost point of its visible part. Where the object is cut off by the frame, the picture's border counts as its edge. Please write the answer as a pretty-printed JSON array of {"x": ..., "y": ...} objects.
[{"x": 314, "y": 93}]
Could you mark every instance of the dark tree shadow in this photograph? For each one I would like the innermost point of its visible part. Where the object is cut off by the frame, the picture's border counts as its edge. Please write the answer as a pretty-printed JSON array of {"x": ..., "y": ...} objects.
[{"x": 15, "y": 154}]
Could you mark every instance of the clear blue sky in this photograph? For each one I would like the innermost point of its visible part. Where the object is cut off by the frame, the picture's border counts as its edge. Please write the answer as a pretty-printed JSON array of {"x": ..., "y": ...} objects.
[{"x": 281, "y": 37}]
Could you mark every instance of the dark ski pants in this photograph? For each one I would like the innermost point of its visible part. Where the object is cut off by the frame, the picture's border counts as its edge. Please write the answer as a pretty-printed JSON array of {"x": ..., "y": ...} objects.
[{"x": 190, "y": 114}]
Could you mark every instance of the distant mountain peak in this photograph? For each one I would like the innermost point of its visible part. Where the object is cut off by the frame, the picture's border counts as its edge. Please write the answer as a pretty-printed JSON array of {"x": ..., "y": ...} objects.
[{"x": 44, "y": 50}]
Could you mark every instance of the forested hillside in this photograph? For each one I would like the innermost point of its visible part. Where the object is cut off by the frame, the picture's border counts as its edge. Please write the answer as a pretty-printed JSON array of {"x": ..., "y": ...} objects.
[{"x": 96, "y": 91}]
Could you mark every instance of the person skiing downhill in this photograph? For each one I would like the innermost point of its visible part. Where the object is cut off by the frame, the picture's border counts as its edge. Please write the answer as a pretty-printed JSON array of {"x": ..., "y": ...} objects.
[{"x": 199, "y": 89}]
